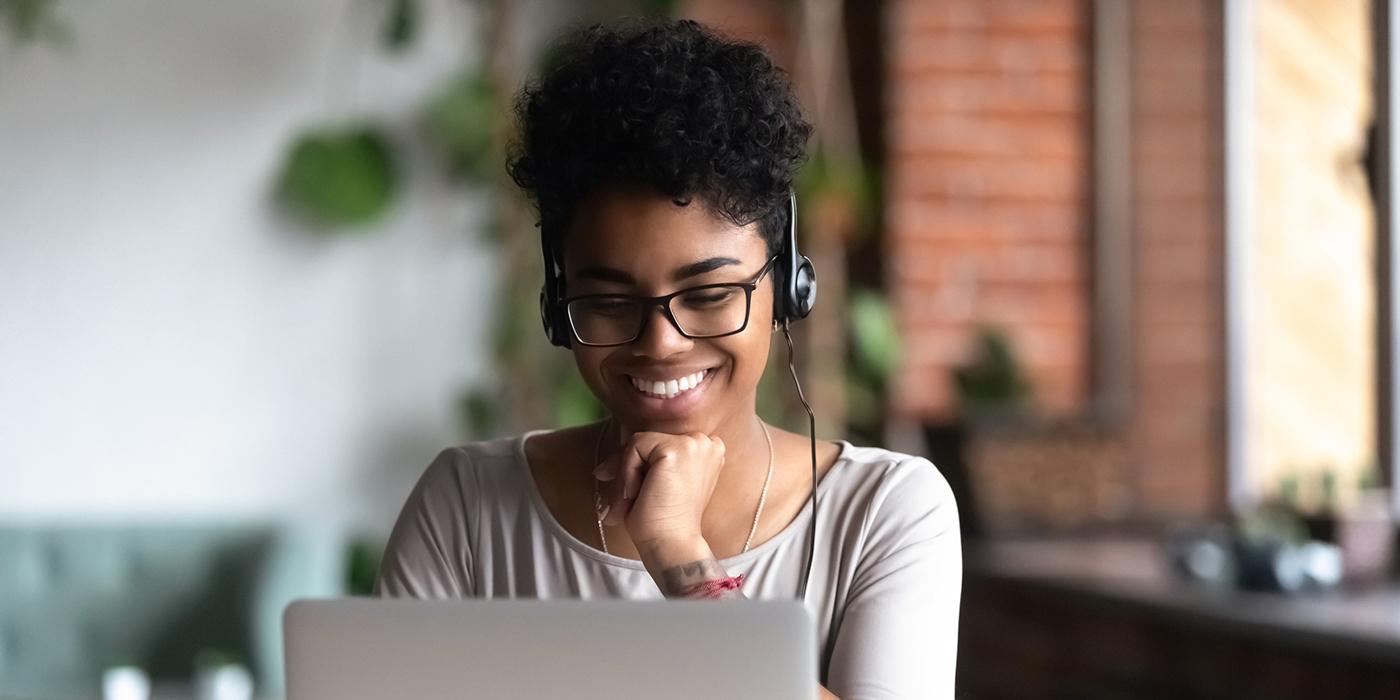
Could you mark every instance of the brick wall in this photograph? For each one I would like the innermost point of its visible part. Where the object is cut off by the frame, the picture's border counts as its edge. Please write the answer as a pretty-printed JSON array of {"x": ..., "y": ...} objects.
[
  {"x": 1177, "y": 422},
  {"x": 765, "y": 22},
  {"x": 989, "y": 214},
  {"x": 988, "y": 156}
]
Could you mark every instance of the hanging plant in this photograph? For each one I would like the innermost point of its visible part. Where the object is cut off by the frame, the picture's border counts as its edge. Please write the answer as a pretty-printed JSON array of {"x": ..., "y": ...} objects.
[
  {"x": 339, "y": 176},
  {"x": 400, "y": 26},
  {"x": 34, "y": 20},
  {"x": 461, "y": 119}
]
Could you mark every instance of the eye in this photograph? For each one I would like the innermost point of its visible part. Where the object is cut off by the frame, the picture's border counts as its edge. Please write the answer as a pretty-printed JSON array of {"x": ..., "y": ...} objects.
[
  {"x": 608, "y": 306},
  {"x": 707, "y": 298}
]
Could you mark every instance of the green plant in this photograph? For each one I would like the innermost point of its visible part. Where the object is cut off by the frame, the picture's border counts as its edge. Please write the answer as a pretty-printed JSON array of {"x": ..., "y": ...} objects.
[
  {"x": 1370, "y": 477},
  {"x": 1275, "y": 524},
  {"x": 34, "y": 20},
  {"x": 875, "y": 349},
  {"x": 461, "y": 119},
  {"x": 400, "y": 25},
  {"x": 850, "y": 181},
  {"x": 1327, "y": 487},
  {"x": 1289, "y": 488},
  {"x": 212, "y": 658},
  {"x": 363, "y": 557},
  {"x": 339, "y": 176},
  {"x": 993, "y": 382}
]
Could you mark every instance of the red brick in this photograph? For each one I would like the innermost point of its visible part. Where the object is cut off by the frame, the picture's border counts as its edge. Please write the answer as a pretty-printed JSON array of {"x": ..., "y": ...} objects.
[
  {"x": 992, "y": 94},
  {"x": 1012, "y": 221},
  {"x": 989, "y": 53},
  {"x": 1031, "y": 16},
  {"x": 977, "y": 178},
  {"x": 1006, "y": 135}
]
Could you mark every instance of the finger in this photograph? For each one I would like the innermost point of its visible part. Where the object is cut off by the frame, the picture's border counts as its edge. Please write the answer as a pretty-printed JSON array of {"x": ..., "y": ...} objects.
[
  {"x": 659, "y": 453},
  {"x": 617, "y": 472},
  {"x": 617, "y": 514},
  {"x": 606, "y": 470},
  {"x": 601, "y": 505},
  {"x": 632, "y": 467}
]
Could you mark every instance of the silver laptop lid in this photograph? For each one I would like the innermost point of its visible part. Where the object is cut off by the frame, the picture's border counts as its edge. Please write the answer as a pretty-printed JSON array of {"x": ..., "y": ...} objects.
[{"x": 475, "y": 648}]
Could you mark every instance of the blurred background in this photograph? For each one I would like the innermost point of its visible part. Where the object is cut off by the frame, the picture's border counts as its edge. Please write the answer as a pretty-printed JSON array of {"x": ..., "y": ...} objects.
[{"x": 1121, "y": 268}]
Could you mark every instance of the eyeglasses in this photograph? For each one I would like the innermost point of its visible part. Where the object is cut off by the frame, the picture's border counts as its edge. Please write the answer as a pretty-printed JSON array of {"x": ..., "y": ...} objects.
[{"x": 706, "y": 311}]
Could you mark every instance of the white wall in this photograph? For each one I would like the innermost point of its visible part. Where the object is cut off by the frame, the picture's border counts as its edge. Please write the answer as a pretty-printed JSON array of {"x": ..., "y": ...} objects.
[{"x": 171, "y": 345}]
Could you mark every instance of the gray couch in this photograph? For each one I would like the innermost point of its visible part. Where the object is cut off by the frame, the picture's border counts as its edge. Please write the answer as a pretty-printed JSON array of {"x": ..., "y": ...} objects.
[{"x": 76, "y": 599}]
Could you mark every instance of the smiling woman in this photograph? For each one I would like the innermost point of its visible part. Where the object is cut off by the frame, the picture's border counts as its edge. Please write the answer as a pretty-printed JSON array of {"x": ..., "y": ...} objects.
[{"x": 661, "y": 158}]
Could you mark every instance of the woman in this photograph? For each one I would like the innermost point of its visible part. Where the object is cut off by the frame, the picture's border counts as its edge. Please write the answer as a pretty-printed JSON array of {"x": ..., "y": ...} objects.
[{"x": 661, "y": 158}]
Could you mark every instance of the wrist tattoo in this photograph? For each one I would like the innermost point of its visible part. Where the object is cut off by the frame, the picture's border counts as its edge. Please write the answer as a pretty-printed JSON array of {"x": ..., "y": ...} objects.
[{"x": 678, "y": 579}]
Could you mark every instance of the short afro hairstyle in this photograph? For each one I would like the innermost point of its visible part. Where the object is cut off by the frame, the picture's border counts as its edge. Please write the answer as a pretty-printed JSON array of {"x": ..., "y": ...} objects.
[{"x": 669, "y": 105}]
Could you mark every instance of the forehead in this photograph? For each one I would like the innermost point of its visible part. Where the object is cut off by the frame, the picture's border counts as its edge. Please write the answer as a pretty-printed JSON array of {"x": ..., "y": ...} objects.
[{"x": 646, "y": 233}]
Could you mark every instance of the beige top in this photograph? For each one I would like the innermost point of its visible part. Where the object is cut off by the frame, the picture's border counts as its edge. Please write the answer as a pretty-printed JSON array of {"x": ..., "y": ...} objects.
[{"x": 885, "y": 584}]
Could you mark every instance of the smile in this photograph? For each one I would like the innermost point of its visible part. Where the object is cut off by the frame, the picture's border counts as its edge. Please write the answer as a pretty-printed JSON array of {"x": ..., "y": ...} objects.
[{"x": 672, "y": 388}]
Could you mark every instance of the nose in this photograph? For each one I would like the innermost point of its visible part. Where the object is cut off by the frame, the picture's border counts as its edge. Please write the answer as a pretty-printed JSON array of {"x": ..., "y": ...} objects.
[{"x": 659, "y": 337}]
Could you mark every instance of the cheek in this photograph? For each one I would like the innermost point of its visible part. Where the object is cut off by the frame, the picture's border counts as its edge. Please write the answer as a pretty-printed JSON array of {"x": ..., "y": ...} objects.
[
  {"x": 749, "y": 352},
  {"x": 590, "y": 366}
]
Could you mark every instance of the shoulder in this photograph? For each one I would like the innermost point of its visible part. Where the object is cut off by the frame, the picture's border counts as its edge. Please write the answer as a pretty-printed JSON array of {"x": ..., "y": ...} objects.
[
  {"x": 459, "y": 472},
  {"x": 898, "y": 489},
  {"x": 885, "y": 471}
]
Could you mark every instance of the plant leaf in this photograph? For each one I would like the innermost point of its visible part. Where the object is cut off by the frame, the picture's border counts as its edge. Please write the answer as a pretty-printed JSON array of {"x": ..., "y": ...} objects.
[
  {"x": 339, "y": 176},
  {"x": 462, "y": 119},
  {"x": 401, "y": 25},
  {"x": 874, "y": 333}
]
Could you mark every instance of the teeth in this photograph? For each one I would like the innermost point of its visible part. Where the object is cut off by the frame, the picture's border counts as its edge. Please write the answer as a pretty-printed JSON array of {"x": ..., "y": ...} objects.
[{"x": 669, "y": 389}]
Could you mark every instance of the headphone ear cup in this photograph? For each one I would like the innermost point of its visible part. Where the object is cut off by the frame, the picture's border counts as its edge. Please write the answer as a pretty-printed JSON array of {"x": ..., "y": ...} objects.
[
  {"x": 545, "y": 317},
  {"x": 804, "y": 288},
  {"x": 563, "y": 337},
  {"x": 556, "y": 327}
]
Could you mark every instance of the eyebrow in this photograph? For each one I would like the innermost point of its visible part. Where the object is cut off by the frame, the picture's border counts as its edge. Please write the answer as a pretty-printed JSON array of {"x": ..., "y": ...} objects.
[{"x": 608, "y": 274}]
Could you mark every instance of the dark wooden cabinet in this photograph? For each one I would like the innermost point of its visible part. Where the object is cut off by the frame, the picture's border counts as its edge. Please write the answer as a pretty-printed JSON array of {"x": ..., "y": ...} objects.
[{"x": 1109, "y": 620}]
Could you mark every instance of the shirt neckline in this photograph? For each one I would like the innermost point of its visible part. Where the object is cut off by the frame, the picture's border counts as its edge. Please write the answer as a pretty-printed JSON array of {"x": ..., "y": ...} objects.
[{"x": 798, "y": 523}]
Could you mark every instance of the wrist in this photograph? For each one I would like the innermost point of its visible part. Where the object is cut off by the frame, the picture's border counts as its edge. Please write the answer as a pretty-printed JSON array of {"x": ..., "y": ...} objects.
[
  {"x": 678, "y": 565},
  {"x": 666, "y": 553}
]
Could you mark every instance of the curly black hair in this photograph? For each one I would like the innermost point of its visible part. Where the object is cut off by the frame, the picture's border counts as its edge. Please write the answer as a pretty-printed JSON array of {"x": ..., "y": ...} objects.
[{"x": 670, "y": 105}]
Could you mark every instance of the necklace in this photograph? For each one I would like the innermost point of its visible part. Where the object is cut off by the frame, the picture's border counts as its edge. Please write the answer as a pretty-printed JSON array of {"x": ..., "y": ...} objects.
[{"x": 762, "y": 496}]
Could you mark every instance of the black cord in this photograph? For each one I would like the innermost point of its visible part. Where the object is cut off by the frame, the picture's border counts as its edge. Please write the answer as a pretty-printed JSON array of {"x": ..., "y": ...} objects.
[{"x": 812, "y": 433}]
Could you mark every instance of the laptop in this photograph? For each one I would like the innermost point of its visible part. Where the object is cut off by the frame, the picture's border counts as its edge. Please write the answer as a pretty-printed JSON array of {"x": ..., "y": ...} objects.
[{"x": 491, "y": 648}]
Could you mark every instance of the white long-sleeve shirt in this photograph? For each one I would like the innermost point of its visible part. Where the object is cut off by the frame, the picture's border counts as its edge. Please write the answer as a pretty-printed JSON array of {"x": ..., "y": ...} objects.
[{"x": 886, "y": 580}]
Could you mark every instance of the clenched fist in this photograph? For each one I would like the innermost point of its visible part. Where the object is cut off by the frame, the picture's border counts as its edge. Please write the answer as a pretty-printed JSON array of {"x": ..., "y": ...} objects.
[{"x": 659, "y": 484}]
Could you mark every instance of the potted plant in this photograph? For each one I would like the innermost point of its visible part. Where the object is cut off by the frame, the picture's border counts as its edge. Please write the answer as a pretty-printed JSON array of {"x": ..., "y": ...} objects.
[
  {"x": 991, "y": 390},
  {"x": 1359, "y": 523}
]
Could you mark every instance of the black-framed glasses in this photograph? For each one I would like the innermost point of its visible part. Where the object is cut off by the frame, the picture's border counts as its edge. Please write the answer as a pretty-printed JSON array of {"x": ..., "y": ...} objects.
[{"x": 706, "y": 311}]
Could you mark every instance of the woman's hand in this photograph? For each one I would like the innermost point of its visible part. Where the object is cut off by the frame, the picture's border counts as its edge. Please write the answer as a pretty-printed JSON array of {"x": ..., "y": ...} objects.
[{"x": 659, "y": 484}]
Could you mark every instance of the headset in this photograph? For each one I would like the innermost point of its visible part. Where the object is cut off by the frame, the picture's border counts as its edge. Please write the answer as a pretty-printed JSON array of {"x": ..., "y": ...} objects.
[{"x": 796, "y": 285}]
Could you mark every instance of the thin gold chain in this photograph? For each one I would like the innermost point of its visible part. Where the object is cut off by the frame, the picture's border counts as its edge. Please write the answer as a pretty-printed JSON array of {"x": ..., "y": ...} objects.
[{"x": 762, "y": 496}]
